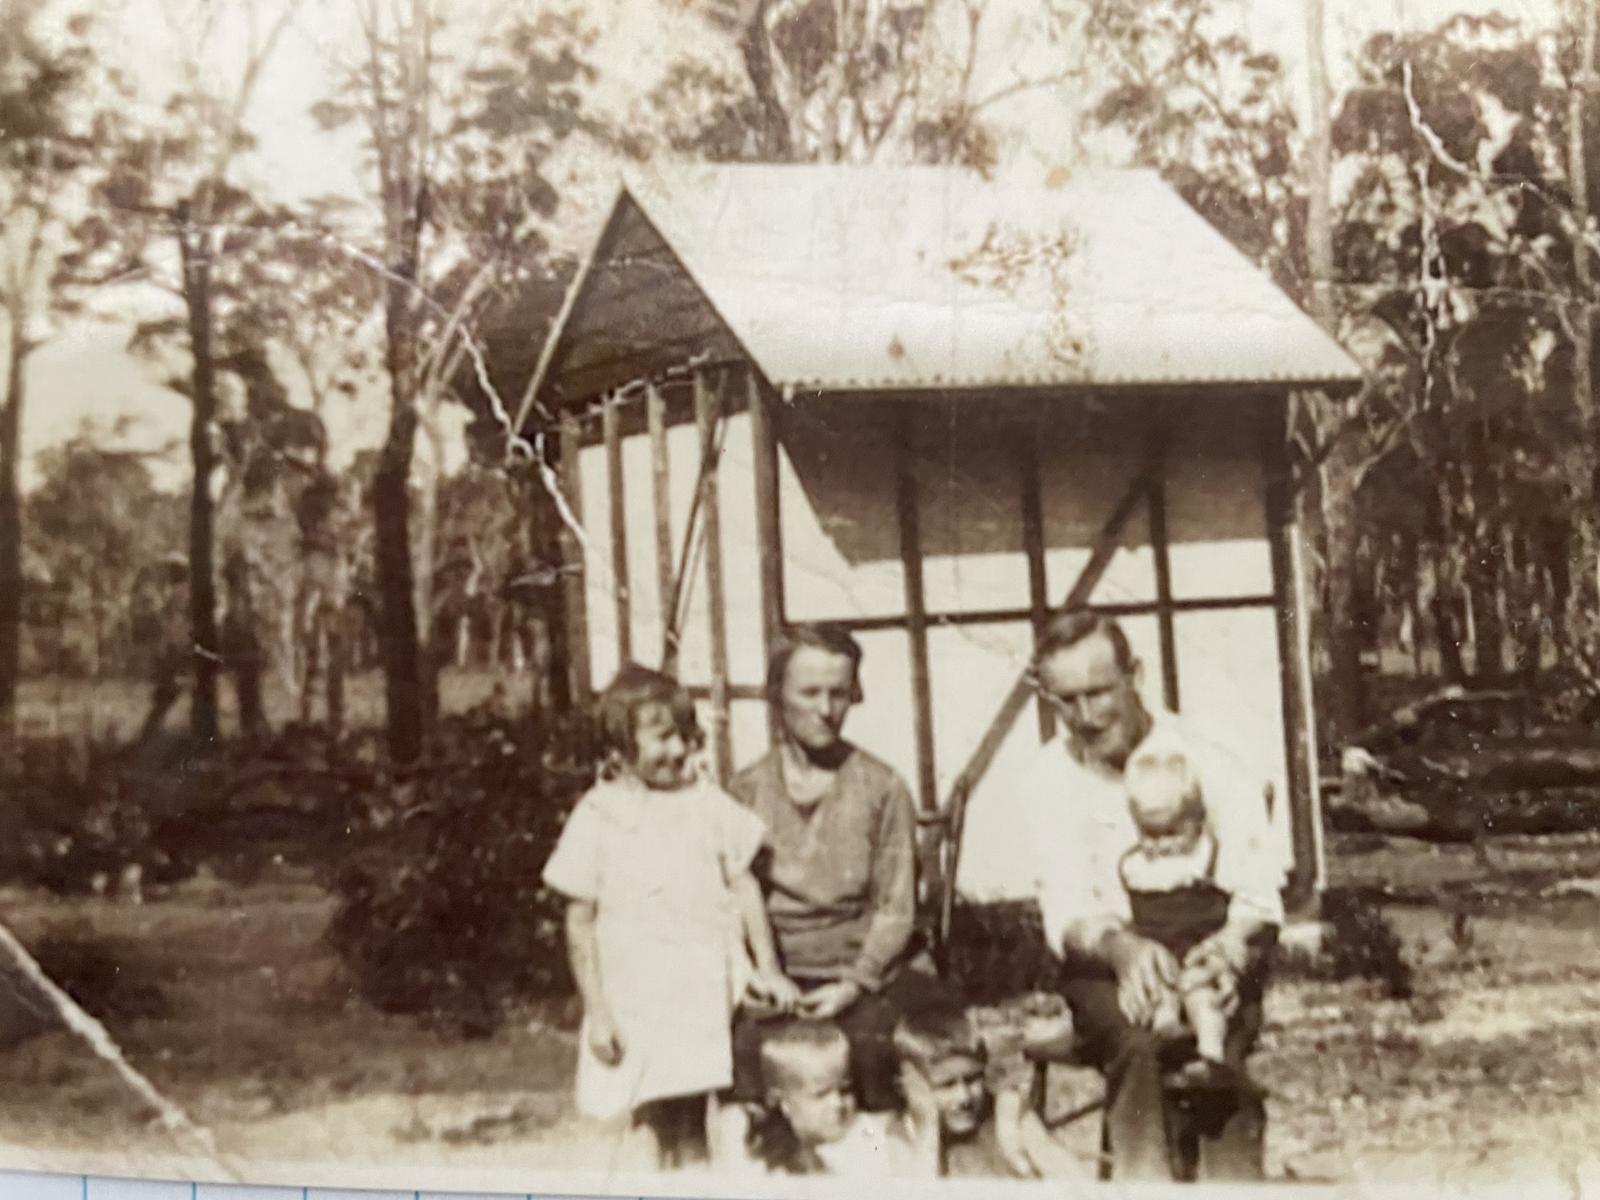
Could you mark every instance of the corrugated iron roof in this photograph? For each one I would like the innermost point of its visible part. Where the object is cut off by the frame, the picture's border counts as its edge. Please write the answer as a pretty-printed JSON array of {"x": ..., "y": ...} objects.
[{"x": 867, "y": 278}]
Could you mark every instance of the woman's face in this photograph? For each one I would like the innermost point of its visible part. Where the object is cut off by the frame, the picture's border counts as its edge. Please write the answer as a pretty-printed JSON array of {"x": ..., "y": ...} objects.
[{"x": 818, "y": 688}]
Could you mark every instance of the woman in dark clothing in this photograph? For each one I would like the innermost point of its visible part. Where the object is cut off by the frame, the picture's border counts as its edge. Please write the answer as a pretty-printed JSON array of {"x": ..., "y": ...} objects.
[{"x": 840, "y": 875}]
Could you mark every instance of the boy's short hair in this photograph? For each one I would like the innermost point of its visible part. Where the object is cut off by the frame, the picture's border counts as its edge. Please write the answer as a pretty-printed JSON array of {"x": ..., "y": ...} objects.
[
  {"x": 794, "y": 1041},
  {"x": 935, "y": 1033},
  {"x": 1161, "y": 762},
  {"x": 633, "y": 689}
]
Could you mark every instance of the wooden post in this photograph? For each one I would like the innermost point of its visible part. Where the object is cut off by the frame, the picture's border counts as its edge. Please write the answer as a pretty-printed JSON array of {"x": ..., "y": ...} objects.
[
  {"x": 707, "y": 406},
  {"x": 1161, "y": 551},
  {"x": 1033, "y": 545},
  {"x": 916, "y": 607},
  {"x": 661, "y": 493},
  {"x": 573, "y": 572},
  {"x": 769, "y": 533},
  {"x": 1105, "y": 548},
  {"x": 1294, "y": 665},
  {"x": 611, "y": 432}
]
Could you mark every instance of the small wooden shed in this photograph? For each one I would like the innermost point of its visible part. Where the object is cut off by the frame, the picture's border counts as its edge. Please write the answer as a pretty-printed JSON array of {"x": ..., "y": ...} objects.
[{"x": 935, "y": 408}]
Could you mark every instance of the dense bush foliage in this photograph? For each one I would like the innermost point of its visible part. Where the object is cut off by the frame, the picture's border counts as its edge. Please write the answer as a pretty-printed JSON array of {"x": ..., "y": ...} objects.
[
  {"x": 440, "y": 909},
  {"x": 82, "y": 816}
]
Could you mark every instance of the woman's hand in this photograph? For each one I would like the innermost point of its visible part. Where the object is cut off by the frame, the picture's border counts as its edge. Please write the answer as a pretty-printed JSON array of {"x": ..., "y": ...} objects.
[
  {"x": 829, "y": 1000},
  {"x": 774, "y": 988},
  {"x": 605, "y": 1039}
]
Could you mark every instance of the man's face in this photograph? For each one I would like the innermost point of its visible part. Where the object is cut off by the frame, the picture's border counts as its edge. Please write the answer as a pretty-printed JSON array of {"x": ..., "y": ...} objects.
[
  {"x": 816, "y": 1099},
  {"x": 959, "y": 1089},
  {"x": 1097, "y": 698},
  {"x": 818, "y": 689}
]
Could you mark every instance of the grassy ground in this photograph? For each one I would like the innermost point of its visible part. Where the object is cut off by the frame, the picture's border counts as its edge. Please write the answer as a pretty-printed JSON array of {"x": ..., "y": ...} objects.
[{"x": 226, "y": 996}]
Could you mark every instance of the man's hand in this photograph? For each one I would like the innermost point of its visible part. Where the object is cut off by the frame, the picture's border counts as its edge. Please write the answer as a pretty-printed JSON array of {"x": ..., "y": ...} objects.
[
  {"x": 604, "y": 1038},
  {"x": 1146, "y": 973},
  {"x": 829, "y": 1000}
]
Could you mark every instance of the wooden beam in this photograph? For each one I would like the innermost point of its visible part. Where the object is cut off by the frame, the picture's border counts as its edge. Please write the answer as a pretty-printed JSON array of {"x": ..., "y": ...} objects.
[
  {"x": 736, "y": 691},
  {"x": 769, "y": 531},
  {"x": 1032, "y": 496},
  {"x": 573, "y": 572},
  {"x": 1001, "y": 616},
  {"x": 611, "y": 431},
  {"x": 1294, "y": 663},
  {"x": 707, "y": 405},
  {"x": 907, "y": 502},
  {"x": 661, "y": 493},
  {"x": 1105, "y": 548},
  {"x": 1161, "y": 552}
]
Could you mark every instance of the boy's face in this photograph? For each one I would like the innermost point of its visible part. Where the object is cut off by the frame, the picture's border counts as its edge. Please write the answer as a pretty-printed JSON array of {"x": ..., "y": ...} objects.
[
  {"x": 1165, "y": 807},
  {"x": 660, "y": 753},
  {"x": 816, "y": 1097},
  {"x": 958, "y": 1089},
  {"x": 1165, "y": 839}
]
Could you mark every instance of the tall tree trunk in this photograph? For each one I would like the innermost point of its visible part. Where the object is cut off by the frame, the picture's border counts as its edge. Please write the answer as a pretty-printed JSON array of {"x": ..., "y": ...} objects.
[
  {"x": 195, "y": 251},
  {"x": 1483, "y": 560},
  {"x": 1584, "y": 453},
  {"x": 1319, "y": 215},
  {"x": 1347, "y": 705},
  {"x": 11, "y": 524},
  {"x": 405, "y": 692}
]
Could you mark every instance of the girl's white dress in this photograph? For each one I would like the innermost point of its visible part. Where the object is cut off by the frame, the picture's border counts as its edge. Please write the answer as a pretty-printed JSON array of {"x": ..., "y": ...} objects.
[{"x": 658, "y": 866}]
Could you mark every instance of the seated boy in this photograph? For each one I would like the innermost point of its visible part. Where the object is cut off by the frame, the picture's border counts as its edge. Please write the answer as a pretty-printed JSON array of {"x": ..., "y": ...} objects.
[
  {"x": 1175, "y": 899},
  {"x": 953, "y": 1125},
  {"x": 809, "y": 1124}
]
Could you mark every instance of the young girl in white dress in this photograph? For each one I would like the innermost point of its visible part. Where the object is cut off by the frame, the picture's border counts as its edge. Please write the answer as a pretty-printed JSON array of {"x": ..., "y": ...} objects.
[{"x": 663, "y": 917}]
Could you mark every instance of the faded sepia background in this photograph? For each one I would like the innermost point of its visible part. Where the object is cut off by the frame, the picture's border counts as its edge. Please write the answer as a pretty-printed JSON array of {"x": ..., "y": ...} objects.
[{"x": 290, "y": 679}]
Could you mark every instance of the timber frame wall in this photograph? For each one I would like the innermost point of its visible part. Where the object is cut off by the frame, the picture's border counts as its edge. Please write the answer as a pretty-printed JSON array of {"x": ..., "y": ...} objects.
[{"x": 721, "y": 389}]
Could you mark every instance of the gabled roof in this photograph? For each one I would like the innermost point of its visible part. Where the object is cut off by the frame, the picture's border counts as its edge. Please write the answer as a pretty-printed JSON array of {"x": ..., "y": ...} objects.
[{"x": 887, "y": 278}]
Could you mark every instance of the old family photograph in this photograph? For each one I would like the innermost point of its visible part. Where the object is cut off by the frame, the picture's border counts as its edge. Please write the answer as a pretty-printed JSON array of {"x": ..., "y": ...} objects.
[{"x": 734, "y": 590}]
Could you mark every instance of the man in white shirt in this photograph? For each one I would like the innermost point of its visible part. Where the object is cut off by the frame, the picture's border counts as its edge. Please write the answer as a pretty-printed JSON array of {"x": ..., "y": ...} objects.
[{"x": 1076, "y": 809}]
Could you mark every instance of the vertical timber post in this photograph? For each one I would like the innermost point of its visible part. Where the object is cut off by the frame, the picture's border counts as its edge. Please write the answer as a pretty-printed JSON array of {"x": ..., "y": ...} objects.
[
  {"x": 1161, "y": 551},
  {"x": 1033, "y": 542},
  {"x": 906, "y": 502},
  {"x": 769, "y": 533},
  {"x": 661, "y": 494},
  {"x": 1294, "y": 665},
  {"x": 707, "y": 412},
  {"x": 916, "y": 604},
  {"x": 611, "y": 432},
  {"x": 573, "y": 571}
]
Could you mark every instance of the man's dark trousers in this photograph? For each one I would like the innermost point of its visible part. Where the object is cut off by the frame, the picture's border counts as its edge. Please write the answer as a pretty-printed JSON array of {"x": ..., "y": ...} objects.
[{"x": 1148, "y": 1136}]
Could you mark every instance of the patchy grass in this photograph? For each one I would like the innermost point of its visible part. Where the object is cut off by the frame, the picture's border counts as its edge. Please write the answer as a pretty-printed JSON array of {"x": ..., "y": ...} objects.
[{"x": 227, "y": 995}]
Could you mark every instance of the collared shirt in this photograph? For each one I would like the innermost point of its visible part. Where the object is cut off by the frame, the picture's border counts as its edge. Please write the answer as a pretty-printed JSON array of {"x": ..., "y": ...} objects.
[
  {"x": 1079, "y": 826},
  {"x": 840, "y": 880}
]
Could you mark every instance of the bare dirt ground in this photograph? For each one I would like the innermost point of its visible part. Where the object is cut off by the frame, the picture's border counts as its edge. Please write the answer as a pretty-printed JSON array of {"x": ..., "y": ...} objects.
[{"x": 226, "y": 997}]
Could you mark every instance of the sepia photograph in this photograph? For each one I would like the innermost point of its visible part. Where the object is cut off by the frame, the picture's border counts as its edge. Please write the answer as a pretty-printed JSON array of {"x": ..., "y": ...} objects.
[{"x": 761, "y": 597}]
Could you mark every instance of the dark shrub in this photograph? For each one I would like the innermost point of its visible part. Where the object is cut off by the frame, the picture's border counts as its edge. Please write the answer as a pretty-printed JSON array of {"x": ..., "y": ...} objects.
[
  {"x": 440, "y": 909},
  {"x": 997, "y": 951},
  {"x": 1360, "y": 943}
]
